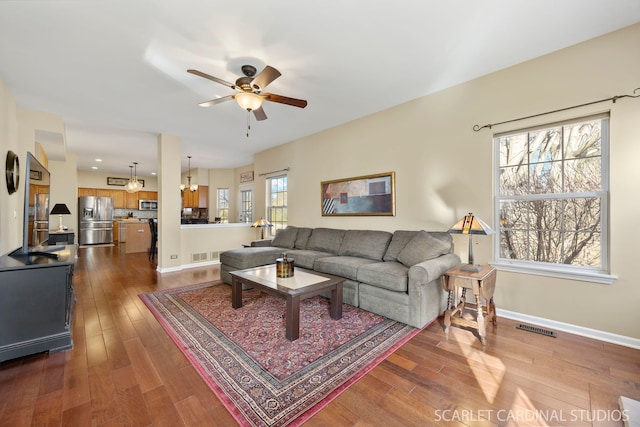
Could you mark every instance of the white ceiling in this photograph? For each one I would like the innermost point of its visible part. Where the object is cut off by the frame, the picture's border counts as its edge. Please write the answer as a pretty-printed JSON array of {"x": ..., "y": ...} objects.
[{"x": 115, "y": 70}]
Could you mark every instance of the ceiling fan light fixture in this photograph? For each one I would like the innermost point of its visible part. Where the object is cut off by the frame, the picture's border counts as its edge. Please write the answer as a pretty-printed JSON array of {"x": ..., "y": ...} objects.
[{"x": 249, "y": 101}]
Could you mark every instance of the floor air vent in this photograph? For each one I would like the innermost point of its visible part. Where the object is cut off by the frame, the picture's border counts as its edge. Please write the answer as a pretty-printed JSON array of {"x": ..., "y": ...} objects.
[{"x": 536, "y": 330}]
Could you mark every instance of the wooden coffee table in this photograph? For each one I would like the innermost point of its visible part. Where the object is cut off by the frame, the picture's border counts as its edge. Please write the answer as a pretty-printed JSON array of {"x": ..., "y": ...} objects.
[{"x": 304, "y": 284}]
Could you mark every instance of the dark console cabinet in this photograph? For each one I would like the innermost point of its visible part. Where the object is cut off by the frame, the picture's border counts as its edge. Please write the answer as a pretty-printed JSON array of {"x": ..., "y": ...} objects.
[
  {"x": 36, "y": 303},
  {"x": 61, "y": 237}
]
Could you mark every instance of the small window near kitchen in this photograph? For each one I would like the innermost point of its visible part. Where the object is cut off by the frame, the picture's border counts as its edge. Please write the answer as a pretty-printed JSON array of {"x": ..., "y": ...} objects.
[
  {"x": 222, "y": 205},
  {"x": 246, "y": 206}
]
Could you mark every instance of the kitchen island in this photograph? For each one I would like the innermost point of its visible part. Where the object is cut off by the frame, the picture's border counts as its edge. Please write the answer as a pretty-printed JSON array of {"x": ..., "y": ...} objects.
[{"x": 138, "y": 236}]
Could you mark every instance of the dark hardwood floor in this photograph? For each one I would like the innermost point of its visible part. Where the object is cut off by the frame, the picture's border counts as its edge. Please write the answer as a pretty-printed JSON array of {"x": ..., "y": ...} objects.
[{"x": 125, "y": 371}]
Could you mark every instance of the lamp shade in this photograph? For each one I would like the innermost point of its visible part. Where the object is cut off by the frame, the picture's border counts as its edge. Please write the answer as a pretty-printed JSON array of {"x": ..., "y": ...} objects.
[
  {"x": 261, "y": 223},
  {"x": 470, "y": 224},
  {"x": 60, "y": 209}
]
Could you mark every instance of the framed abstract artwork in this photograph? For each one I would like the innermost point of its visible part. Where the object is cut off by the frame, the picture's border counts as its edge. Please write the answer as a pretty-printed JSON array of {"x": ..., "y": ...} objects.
[{"x": 369, "y": 195}]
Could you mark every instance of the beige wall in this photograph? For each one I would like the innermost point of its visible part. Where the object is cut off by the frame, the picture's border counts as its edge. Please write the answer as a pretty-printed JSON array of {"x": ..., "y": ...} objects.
[
  {"x": 207, "y": 241},
  {"x": 444, "y": 169},
  {"x": 64, "y": 189},
  {"x": 18, "y": 128},
  {"x": 222, "y": 178},
  {"x": 169, "y": 239},
  {"x": 10, "y": 205},
  {"x": 99, "y": 180}
]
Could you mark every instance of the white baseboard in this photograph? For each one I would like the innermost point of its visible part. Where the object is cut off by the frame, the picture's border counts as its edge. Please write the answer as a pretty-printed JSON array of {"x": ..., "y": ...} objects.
[
  {"x": 186, "y": 266},
  {"x": 572, "y": 329}
]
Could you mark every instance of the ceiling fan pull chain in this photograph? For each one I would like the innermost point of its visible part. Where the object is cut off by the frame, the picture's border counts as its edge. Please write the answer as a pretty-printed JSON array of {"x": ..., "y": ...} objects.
[{"x": 248, "y": 122}]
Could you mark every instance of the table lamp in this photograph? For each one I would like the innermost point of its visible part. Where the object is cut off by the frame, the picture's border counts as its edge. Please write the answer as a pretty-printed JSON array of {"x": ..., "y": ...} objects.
[
  {"x": 60, "y": 209},
  {"x": 470, "y": 225},
  {"x": 262, "y": 224}
]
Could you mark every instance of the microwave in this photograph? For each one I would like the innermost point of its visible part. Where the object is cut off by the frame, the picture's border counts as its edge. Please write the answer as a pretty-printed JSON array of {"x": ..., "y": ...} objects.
[{"x": 148, "y": 205}]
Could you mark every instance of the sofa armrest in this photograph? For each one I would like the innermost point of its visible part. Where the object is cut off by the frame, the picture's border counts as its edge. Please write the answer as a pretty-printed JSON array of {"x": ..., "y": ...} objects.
[
  {"x": 429, "y": 270},
  {"x": 427, "y": 298},
  {"x": 262, "y": 242}
]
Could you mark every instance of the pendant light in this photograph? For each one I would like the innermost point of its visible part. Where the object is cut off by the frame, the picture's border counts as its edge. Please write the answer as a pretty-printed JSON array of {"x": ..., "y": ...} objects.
[
  {"x": 191, "y": 187},
  {"x": 133, "y": 186}
]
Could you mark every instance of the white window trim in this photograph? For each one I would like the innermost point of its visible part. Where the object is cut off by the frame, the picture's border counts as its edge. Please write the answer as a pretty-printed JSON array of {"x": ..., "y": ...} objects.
[
  {"x": 551, "y": 270},
  {"x": 268, "y": 198},
  {"x": 583, "y": 274}
]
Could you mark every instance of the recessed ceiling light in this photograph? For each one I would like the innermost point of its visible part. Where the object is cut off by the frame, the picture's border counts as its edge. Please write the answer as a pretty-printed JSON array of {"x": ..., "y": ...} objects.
[
  {"x": 153, "y": 173},
  {"x": 98, "y": 160},
  {"x": 94, "y": 167}
]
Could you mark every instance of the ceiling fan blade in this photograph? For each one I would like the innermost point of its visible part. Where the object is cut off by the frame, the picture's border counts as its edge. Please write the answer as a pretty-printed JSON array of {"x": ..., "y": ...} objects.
[
  {"x": 265, "y": 77},
  {"x": 215, "y": 79},
  {"x": 301, "y": 103},
  {"x": 260, "y": 114},
  {"x": 216, "y": 101}
]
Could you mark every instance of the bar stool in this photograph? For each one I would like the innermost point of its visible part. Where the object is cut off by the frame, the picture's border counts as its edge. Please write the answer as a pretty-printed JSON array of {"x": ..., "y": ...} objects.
[{"x": 153, "y": 249}]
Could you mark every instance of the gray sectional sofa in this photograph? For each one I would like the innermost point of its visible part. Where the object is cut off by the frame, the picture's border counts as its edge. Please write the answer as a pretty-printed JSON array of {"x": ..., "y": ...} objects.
[{"x": 396, "y": 275}]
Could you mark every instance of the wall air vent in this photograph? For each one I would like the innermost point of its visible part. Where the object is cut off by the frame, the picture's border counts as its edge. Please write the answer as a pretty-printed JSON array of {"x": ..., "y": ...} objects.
[
  {"x": 537, "y": 330},
  {"x": 202, "y": 256}
]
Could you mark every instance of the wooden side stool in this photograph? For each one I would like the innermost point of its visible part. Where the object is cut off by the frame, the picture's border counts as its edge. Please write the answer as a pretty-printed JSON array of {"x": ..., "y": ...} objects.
[{"x": 482, "y": 283}]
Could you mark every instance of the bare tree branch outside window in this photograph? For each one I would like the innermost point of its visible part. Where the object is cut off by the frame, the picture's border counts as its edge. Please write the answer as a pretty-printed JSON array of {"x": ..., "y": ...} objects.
[{"x": 551, "y": 194}]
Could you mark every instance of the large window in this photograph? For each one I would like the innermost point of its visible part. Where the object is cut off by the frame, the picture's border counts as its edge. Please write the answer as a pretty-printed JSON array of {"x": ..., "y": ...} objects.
[
  {"x": 277, "y": 202},
  {"x": 552, "y": 192},
  {"x": 222, "y": 205}
]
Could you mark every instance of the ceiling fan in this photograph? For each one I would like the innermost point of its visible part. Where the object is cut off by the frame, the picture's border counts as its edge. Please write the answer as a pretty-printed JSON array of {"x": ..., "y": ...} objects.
[{"x": 250, "y": 90}]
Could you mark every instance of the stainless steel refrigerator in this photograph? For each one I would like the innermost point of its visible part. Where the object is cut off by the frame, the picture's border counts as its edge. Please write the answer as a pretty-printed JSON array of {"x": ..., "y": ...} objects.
[
  {"x": 95, "y": 220},
  {"x": 40, "y": 219}
]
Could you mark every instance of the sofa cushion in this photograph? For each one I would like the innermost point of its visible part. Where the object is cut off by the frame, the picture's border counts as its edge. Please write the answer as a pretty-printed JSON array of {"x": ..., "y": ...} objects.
[
  {"x": 365, "y": 244},
  {"x": 242, "y": 258},
  {"x": 285, "y": 238},
  {"x": 343, "y": 266},
  {"x": 398, "y": 242},
  {"x": 302, "y": 238},
  {"x": 325, "y": 240},
  {"x": 304, "y": 258},
  {"x": 424, "y": 246},
  {"x": 388, "y": 275}
]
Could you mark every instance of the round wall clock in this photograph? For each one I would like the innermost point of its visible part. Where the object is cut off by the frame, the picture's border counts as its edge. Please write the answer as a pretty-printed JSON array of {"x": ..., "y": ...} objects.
[{"x": 12, "y": 171}]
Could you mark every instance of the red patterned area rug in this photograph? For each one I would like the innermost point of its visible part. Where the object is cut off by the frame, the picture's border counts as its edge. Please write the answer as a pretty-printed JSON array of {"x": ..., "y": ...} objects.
[{"x": 262, "y": 378}]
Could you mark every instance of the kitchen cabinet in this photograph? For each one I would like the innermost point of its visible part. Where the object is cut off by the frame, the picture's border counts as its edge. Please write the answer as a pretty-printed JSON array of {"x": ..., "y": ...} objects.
[
  {"x": 188, "y": 198},
  {"x": 203, "y": 196},
  {"x": 82, "y": 192},
  {"x": 130, "y": 200},
  {"x": 118, "y": 199},
  {"x": 148, "y": 195},
  {"x": 196, "y": 199},
  {"x": 121, "y": 199}
]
